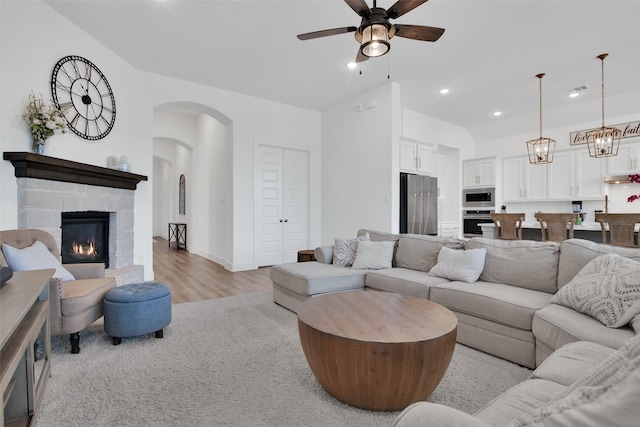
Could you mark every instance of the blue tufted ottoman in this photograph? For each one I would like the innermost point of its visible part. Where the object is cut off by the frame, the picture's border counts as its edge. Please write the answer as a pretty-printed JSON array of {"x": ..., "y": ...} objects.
[{"x": 137, "y": 309}]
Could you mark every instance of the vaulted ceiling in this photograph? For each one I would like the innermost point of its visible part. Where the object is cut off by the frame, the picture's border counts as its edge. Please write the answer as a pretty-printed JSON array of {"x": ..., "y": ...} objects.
[{"x": 488, "y": 56}]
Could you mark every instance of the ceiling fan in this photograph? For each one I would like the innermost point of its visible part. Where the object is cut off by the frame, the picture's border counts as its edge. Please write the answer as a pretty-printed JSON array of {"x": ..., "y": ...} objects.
[{"x": 375, "y": 30}]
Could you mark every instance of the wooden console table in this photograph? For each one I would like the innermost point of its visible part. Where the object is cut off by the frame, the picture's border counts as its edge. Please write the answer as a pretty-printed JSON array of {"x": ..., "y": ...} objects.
[
  {"x": 25, "y": 339},
  {"x": 178, "y": 235}
]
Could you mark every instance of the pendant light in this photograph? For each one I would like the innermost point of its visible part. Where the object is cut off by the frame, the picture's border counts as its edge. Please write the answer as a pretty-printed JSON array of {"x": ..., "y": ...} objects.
[
  {"x": 541, "y": 150},
  {"x": 603, "y": 142}
]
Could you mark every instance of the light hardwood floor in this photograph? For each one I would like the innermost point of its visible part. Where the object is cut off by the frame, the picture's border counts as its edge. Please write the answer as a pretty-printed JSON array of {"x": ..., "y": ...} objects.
[{"x": 194, "y": 278}]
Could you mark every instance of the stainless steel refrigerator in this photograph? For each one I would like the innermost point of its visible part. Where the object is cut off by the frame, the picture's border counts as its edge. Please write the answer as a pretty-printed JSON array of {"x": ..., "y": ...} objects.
[{"x": 418, "y": 204}]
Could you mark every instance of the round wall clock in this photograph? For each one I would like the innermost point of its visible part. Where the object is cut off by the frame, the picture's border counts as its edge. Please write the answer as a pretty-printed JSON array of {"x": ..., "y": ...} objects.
[{"x": 83, "y": 94}]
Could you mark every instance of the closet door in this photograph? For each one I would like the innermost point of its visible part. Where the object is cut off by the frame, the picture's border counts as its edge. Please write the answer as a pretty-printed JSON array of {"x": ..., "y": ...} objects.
[{"x": 282, "y": 204}]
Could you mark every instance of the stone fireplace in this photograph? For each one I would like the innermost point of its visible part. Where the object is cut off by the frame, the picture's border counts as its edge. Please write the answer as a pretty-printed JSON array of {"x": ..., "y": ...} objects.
[{"x": 49, "y": 187}]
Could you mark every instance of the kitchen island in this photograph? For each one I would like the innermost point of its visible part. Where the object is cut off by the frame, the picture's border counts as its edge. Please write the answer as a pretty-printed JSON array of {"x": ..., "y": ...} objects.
[{"x": 531, "y": 231}]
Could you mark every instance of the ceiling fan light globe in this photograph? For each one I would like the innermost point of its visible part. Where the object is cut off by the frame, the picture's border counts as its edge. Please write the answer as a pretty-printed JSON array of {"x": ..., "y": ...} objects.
[
  {"x": 373, "y": 49},
  {"x": 375, "y": 40}
]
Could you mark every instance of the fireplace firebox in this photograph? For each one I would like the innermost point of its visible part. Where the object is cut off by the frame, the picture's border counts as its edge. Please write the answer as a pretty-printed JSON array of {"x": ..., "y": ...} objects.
[{"x": 85, "y": 237}]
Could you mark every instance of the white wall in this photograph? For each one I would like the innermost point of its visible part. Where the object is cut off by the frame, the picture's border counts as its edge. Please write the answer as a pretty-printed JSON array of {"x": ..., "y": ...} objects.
[
  {"x": 27, "y": 66},
  {"x": 34, "y": 38},
  {"x": 357, "y": 150}
]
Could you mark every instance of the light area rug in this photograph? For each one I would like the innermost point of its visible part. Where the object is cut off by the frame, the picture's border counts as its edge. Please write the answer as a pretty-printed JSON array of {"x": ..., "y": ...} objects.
[{"x": 234, "y": 361}]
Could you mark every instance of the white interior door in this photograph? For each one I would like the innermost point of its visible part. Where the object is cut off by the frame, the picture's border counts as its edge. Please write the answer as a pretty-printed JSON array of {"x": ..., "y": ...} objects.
[
  {"x": 296, "y": 204},
  {"x": 282, "y": 204}
]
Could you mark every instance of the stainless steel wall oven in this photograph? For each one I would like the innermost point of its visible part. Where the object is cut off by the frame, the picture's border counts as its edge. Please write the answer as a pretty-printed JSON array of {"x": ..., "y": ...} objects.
[{"x": 471, "y": 220}]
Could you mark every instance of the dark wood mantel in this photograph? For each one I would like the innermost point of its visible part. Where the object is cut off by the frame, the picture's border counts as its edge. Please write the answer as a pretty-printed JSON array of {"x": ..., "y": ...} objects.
[{"x": 32, "y": 165}]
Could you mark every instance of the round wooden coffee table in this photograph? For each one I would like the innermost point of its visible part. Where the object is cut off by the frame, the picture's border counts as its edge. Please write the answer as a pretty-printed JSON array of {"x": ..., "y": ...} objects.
[{"x": 377, "y": 350}]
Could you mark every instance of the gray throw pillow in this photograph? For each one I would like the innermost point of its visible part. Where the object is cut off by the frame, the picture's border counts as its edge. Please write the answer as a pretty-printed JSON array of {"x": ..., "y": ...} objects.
[{"x": 344, "y": 251}]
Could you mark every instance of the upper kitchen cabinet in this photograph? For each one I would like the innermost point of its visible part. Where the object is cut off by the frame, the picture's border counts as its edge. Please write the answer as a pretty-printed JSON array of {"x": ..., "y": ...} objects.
[
  {"x": 479, "y": 172},
  {"x": 576, "y": 175},
  {"x": 415, "y": 158},
  {"x": 522, "y": 181},
  {"x": 626, "y": 161}
]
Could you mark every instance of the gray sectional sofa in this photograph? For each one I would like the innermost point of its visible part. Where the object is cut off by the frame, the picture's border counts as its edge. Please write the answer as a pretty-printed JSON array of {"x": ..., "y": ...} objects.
[{"x": 506, "y": 312}]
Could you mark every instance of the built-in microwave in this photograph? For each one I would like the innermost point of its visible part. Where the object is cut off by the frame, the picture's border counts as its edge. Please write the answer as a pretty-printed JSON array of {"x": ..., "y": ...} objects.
[{"x": 478, "y": 197}]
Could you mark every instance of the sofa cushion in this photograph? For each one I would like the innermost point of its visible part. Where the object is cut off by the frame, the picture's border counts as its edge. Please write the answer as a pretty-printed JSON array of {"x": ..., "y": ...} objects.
[
  {"x": 463, "y": 265},
  {"x": 417, "y": 253},
  {"x": 311, "y": 278},
  {"x": 80, "y": 295},
  {"x": 607, "y": 394},
  {"x": 524, "y": 397},
  {"x": 497, "y": 302},
  {"x": 379, "y": 236},
  {"x": 576, "y": 253},
  {"x": 607, "y": 289},
  {"x": 403, "y": 281},
  {"x": 522, "y": 263},
  {"x": 568, "y": 363},
  {"x": 374, "y": 255},
  {"x": 556, "y": 325}
]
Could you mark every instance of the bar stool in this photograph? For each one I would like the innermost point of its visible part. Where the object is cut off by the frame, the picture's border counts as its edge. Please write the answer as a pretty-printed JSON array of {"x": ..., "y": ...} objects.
[
  {"x": 554, "y": 225},
  {"x": 508, "y": 225},
  {"x": 621, "y": 227}
]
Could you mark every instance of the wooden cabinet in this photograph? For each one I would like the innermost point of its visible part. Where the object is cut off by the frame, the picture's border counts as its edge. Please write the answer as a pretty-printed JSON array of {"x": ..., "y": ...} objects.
[
  {"x": 479, "y": 172},
  {"x": 415, "y": 158},
  {"x": 26, "y": 345},
  {"x": 522, "y": 181},
  {"x": 576, "y": 175},
  {"x": 626, "y": 161}
]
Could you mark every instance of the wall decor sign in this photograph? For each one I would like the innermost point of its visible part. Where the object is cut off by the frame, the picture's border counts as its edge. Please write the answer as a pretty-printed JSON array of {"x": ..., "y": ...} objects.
[{"x": 629, "y": 130}]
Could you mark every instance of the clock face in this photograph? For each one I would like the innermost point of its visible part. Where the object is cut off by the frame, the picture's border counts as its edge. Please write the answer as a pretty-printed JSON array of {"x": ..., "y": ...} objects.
[{"x": 83, "y": 94}]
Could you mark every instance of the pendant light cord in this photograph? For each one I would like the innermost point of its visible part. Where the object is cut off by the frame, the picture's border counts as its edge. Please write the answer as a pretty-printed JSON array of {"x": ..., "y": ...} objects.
[
  {"x": 540, "y": 76},
  {"x": 602, "y": 80}
]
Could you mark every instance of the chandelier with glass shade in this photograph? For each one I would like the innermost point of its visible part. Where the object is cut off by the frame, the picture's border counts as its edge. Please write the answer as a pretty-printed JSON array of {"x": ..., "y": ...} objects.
[
  {"x": 605, "y": 141},
  {"x": 541, "y": 150}
]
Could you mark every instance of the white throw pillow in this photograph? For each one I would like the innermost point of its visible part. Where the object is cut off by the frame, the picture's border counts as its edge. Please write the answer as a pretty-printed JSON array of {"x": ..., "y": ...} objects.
[
  {"x": 374, "y": 255},
  {"x": 34, "y": 257},
  {"x": 463, "y": 265},
  {"x": 344, "y": 251},
  {"x": 607, "y": 289}
]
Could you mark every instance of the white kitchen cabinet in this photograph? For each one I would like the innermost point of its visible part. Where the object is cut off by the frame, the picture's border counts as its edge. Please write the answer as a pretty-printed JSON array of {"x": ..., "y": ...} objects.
[
  {"x": 576, "y": 175},
  {"x": 626, "y": 161},
  {"x": 415, "y": 158},
  {"x": 438, "y": 168},
  {"x": 479, "y": 172},
  {"x": 522, "y": 181}
]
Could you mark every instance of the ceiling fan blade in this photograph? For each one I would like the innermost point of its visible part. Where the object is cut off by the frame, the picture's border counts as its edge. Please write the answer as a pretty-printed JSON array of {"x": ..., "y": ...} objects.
[
  {"x": 403, "y": 6},
  {"x": 360, "y": 57},
  {"x": 325, "y": 33},
  {"x": 418, "y": 32},
  {"x": 359, "y": 7}
]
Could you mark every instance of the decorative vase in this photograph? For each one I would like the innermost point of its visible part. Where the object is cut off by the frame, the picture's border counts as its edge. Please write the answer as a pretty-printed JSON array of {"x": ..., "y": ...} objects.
[{"x": 38, "y": 146}]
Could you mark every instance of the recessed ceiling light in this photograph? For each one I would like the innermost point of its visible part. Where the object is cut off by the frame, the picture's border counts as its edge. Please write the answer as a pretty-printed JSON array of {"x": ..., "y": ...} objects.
[
  {"x": 444, "y": 91},
  {"x": 574, "y": 94},
  {"x": 352, "y": 65},
  {"x": 497, "y": 113}
]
